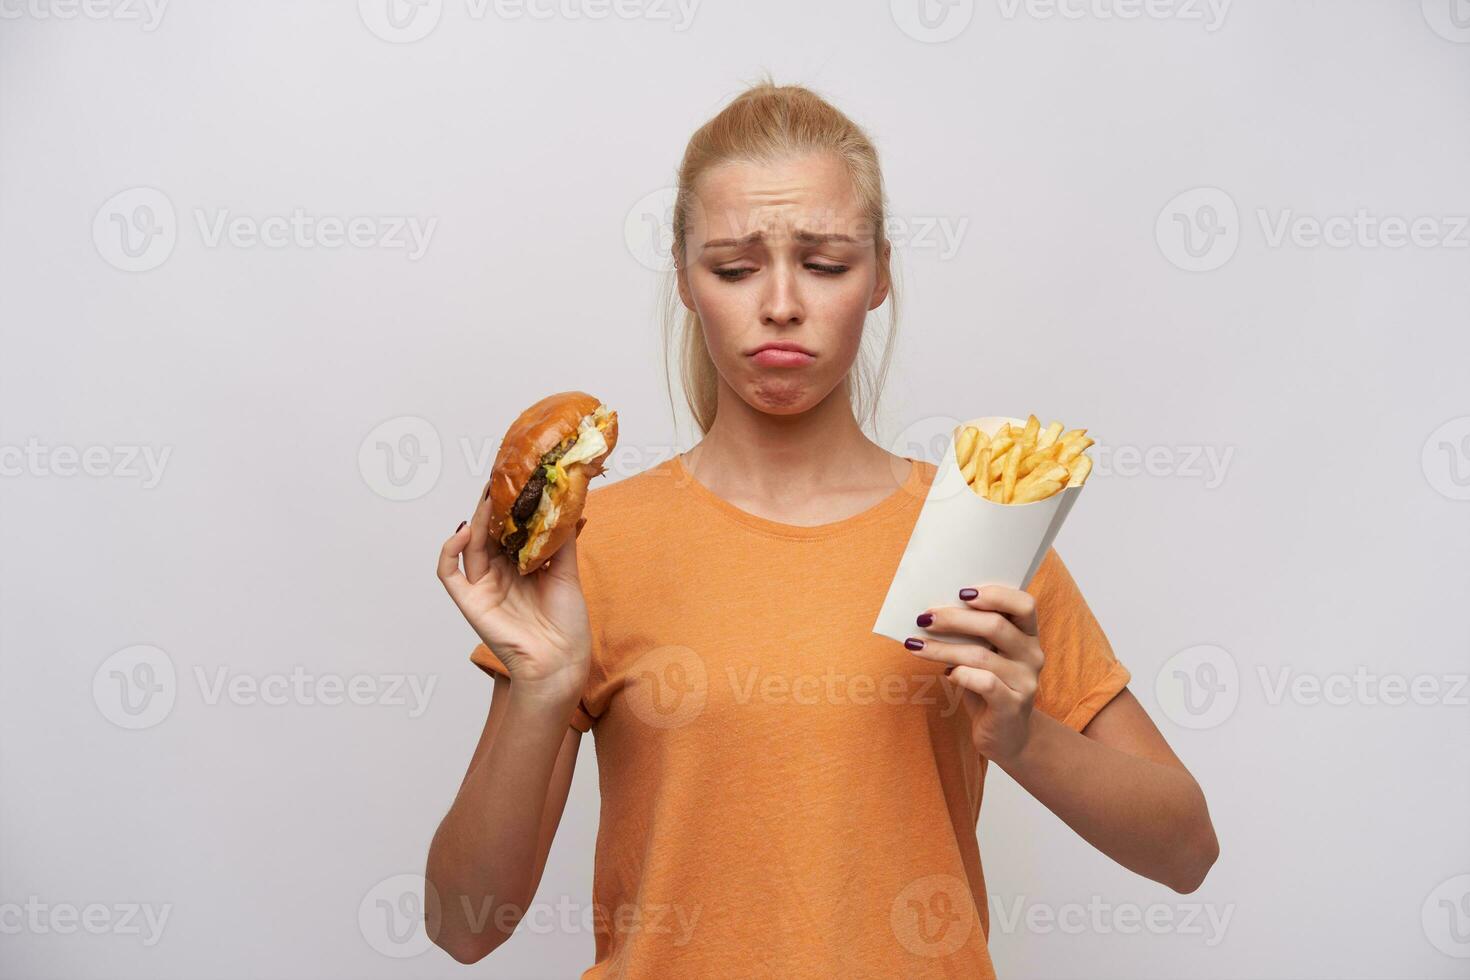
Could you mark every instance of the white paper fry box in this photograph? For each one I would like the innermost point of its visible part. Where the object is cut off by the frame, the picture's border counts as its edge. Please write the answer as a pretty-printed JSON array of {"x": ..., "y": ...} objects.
[{"x": 961, "y": 539}]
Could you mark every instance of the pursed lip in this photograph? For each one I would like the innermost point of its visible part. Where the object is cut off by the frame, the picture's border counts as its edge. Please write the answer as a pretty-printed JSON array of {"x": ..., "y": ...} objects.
[{"x": 782, "y": 345}]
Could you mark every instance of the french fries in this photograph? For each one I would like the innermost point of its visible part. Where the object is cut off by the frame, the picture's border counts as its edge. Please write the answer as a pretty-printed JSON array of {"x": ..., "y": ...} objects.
[{"x": 1021, "y": 465}]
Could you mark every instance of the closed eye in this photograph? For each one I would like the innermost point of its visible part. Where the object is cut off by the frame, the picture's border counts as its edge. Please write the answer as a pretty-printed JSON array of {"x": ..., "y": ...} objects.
[{"x": 826, "y": 269}]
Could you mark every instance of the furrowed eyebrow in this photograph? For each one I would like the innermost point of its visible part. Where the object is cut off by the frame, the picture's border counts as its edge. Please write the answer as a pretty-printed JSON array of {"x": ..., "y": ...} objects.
[{"x": 804, "y": 237}]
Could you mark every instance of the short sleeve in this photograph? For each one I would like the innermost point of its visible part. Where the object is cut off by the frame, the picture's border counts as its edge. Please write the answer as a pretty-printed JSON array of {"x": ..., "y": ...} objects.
[
  {"x": 1081, "y": 674},
  {"x": 490, "y": 664}
]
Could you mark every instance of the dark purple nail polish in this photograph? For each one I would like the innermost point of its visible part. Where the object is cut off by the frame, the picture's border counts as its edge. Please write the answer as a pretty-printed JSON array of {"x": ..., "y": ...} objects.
[
  {"x": 925, "y": 619},
  {"x": 968, "y": 594},
  {"x": 914, "y": 643},
  {"x": 461, "y": 526}
]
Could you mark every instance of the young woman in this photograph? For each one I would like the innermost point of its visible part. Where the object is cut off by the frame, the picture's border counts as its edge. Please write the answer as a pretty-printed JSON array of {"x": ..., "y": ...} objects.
[{"x": 784, "y": 792}]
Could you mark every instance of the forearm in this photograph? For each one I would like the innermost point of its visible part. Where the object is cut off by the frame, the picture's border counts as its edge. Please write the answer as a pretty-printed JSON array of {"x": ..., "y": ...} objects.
[
  {"x": 1149, "y": 817},
  {"x": 483, "y": 859}
]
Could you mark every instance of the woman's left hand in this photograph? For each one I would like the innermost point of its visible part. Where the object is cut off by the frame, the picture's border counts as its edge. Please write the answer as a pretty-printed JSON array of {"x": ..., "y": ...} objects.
[{"x": 996, "y": 659}]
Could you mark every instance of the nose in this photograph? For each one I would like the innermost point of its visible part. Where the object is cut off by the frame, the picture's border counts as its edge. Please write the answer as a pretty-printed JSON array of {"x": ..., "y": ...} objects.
[{"x": 781, "y": 304}]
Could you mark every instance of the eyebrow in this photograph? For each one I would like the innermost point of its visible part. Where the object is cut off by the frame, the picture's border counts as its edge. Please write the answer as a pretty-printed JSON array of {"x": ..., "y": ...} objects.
[{"x": 804, "y": 237}]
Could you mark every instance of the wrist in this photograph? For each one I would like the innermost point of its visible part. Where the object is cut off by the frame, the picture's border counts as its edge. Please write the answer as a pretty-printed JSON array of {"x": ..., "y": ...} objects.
[{"x": 557, "y": 691}]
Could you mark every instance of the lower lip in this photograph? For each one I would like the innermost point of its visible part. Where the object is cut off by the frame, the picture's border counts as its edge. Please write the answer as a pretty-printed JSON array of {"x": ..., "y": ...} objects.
[{"x": 771, "y": 357}]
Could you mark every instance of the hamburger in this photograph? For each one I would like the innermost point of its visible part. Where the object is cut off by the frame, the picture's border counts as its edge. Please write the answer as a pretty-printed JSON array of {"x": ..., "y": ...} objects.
[{"x": 538, "y": 483}]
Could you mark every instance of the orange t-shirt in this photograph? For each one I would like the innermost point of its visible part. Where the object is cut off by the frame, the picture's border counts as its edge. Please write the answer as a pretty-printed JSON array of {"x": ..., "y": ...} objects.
[{"x": 784, "y": 792}]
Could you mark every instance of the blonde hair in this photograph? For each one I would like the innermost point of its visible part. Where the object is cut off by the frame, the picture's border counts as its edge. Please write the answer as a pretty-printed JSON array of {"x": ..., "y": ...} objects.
[{"x": 765, "y": 122}]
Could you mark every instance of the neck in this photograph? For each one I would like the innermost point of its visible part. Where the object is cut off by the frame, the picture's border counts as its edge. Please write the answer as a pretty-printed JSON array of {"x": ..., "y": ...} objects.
[{"x": 751, "y": 453}]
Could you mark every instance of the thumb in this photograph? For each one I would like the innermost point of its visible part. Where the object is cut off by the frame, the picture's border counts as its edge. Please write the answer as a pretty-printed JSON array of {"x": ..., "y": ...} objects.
[{"x": 563, "y": 564}]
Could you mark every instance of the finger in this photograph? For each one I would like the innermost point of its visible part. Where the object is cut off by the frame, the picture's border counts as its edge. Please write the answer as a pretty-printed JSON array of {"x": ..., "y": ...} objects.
[
  {"x": 448, "y": 570},
  {"x": 997, "y": 630},
  {"x": 995, "y": 692},
  {"x": 1019, "y": 605},
  {"x": 563, "y": 563},
  {"x": 479, "y": 552},
  {"x": 1017, "y": 677}
]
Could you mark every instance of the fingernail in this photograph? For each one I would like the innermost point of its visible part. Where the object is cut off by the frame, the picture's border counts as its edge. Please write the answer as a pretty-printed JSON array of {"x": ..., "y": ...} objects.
[
  {"x": 968, "y": 594},
  {"x": 914, "y": 643},
  {"x": 925, "y": 619},
  {"x": 461, "y": 526},
  {"x": 486, "y": 493}
]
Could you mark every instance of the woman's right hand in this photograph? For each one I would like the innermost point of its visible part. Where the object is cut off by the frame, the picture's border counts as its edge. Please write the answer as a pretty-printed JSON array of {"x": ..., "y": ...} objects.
[{"x": 536, "y": 624}]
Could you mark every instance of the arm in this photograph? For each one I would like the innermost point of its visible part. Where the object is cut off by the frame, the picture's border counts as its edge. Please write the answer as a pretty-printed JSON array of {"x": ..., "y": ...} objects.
[
  {"x": 1122, "y": 789},
  {"x": 487, "y": 857},
  {"x": 1118, "y": 785}
]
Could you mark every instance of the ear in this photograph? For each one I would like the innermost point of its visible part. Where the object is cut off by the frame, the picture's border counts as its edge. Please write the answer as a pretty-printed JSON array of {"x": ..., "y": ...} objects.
[{"x": 885, "y": 281}]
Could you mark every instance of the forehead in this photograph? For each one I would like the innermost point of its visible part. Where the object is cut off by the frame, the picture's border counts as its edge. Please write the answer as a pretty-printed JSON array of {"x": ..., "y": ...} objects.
[{"x": 811, "y": 191}]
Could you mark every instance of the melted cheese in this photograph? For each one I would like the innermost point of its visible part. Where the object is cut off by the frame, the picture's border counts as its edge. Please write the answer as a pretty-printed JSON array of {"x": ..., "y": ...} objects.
[{"x": 590, "y": 444}]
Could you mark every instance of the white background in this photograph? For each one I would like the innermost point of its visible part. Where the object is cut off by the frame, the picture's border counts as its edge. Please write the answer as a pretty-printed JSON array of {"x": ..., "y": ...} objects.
[{"x": 1052, "y": 144}]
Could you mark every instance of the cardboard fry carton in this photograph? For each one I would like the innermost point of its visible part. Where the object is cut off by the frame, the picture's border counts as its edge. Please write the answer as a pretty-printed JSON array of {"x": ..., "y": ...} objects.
[{"x": 961, "y": 539}]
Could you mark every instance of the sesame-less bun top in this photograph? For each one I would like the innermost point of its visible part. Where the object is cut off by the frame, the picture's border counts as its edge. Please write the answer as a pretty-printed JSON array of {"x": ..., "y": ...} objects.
[{"x": 560, "y": 442}]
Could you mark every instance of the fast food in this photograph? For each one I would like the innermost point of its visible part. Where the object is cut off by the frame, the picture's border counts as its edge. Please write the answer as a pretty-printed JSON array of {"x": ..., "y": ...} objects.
[
  {"x": 1021, "y": 465},
  {"x": 538, "y": 483}
]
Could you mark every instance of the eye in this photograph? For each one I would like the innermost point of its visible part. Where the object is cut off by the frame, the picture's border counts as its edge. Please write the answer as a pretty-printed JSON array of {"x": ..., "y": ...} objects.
[
  {"x": 730, "y": 275},
  {"x": 827, "y": 270}
]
